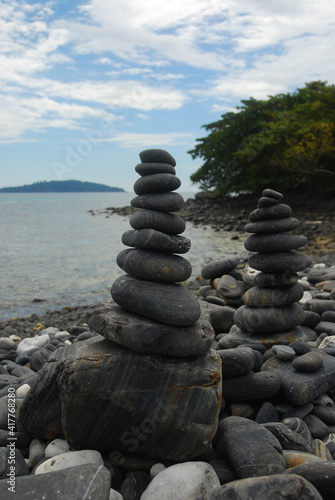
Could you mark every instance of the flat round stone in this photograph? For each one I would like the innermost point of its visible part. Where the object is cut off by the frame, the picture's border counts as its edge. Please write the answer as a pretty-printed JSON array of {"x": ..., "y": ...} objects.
[
  {"x": 266, "y": 201},
  {"x": 229, "y": 287},
  {"x": 273, "y": 297},
  {"x": 236, "y": 362},
  {"x": 269, "y": 280},
  {"x": 280, "y": 262},
  {"x": 309, "y": 362},
  {"x": 268, "y": 320},
  {"x": 274, "y": 212},
  {"x": 167, "y": 202},
  {"x": 156, "y": 266},
  {"x": 272, "y": 225},
  {"x": 154, "y": 168},
  {"x": 157, "y": 156},
  {"x": 156, "y": 183},
  {"x": 281, "y": 242},
  {"x": 156, "y": 219},
  {"x": 271, "y": 193},
  {"x": 171, "y": 304},
  {"x": 156, "y": 240},
  {"x": 218, "y": 268},
  {"x": 284, "y": 352},
  {"x": 147, "y": 336}
]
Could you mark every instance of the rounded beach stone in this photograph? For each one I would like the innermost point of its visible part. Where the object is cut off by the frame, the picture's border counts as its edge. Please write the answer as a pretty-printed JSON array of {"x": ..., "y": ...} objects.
[
  {"x": 157, "y": 156},
  {"x": 229, "y": 287},
  {"x": 147, "y": 336},
  {"x": 280, "y": 262},
  {"x": 236, "y": 362},
  {"x": 185, "y": 480},
  {"x": 267, "y": 340},
  {"x": 154, "y": 219},
  {"x": 294, "y": 458},
  {"x": 309, "y": 362},
  {"x": 265, "y": 201},
  {"x": 156, "y": 266},
  {"x": 273, "y": 297},
  {"x": 134, "y": 484},
  {"x": 325, "y": 413},
  {"x": 70, "y": 459},
  {"x": 281, "y": 242},
  {"x": 274, "y": 212},
  {"x": 272, "y": 225},
  {"x": 156, "y": 183},
  {"x": 269, "y": 280},
  {"x": 271, "y": 193},
  {"x": 250, "y": 387},
  {"x": 299, "y": 426},
  {"x": 156, "y": 240},
  {"x": 284, "y": 352},
  {"x": 275, "y": 487},
  {"x": 267, "y": 413},
  {"x": 154, "y": 168},
  {"x": 321, "y": 475},
  {"x": 218, "y": 268},
  {"x": 251, "y": 449},
  {"x": 268, "y": 319},
  {"x": 317, "y": 427},
  {"x": 160, "y": 398},
  {"x": 327, "y": 327},
  {"x": 289, "y": 439},
  {"x": 169, "y": 303},
  {"x": 167, "y": 202},
  {"x": 300, "y": 347}
]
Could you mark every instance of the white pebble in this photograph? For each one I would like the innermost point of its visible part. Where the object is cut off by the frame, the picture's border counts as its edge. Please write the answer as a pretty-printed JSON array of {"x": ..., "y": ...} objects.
[
  {"x": 56, "y": 447},
  {"x": 62, "y": 334},
  {"x": 115, "y": 495},
  {"x": 156, "y": 469},
  {"x": 182, "y": 482},
  {"x": 32, "y": 342},
  {"x": 70, "y": 459},
  {"x": 51, "y": 330},
  {"x": 305, "y": 298},
  {"x": 22, "y": 391},
  {"x": 36, "y": 447},
  {"x": 327, "y": 342}
]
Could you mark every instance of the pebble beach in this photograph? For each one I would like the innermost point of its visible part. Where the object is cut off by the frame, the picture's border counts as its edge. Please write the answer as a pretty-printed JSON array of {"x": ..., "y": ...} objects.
[{"x": 226, "y": 390}]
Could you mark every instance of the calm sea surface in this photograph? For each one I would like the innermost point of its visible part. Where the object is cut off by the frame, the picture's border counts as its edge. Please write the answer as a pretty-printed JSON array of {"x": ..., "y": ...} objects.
[{"x": 54, "y": 253}]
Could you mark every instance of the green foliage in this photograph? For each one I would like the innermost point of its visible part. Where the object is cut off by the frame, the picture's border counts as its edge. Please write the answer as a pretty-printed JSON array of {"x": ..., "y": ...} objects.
[{"x": 281, "y": 142}]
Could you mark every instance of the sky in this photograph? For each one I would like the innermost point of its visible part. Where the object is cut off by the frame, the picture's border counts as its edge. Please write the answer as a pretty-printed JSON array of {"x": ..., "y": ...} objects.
[{"x": 87, "y": 85}]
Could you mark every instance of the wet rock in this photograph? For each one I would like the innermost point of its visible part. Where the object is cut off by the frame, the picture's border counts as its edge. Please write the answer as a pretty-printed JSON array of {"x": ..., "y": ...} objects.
[
  {"x": 271, "y": 319},
  {"x": 309, "y": 362},
  {"x": 220, "y": 267}
]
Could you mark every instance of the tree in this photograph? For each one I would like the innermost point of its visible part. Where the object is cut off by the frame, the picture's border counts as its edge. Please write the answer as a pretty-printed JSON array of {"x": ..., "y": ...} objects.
[{"x": 281, "y": 142}]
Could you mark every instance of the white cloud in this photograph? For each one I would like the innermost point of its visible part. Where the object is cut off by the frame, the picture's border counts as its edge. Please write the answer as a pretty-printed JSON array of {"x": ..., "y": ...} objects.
[{"x": 133, "y": 140}]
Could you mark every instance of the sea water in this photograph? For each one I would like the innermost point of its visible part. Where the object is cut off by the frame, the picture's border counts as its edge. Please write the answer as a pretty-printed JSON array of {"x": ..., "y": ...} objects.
[{"x": 55, "y": 253}]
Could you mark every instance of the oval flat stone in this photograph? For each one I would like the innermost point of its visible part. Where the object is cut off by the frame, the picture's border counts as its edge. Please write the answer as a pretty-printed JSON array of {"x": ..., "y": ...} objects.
[
  {"x": 298, "y": 425},
  {"x": 269, "y": 280},
  {"x": 284, "y": 352},
  {"x": 167, "y": 202},
  {"x": 327, "y": 327},
  {"x": 294, "y": 458},
  {"x": 268, "y": 319},
  {"x": 280, "y": 262},
  {"x": 274, "y": 487},
  {"x": 272, "y": 225},
  {"x": 156, "y": 240},
  {"x": 156, "y": 266},
  {"x": 320, "y": 306},
  {"x": 266, "y": 201},
  {"x": 236, "y": 362},
  {"x": 239, "y": 337},
  {"x": 229, "y": 287},
  {"x": 157, "y": 156},
  {"x": 321, "y": 475},
  {"x": 218, "y": 268},
  {"x": 156, "y": 183},
  {"x": 309, "y": 362},
  {"x": 274, "y": 212},
  {"x": 155, "y": 219},
  {"x": 271, "y": 193},
  {"x": 250, "y": 387},
  {"x": 325, "y": 413},
  {"x": 169, "y": 303},
  {"x": 273, "y": 297},
  {"x": 154, "y": 168},
  {"x": 251, "y": 449},
  {"x": 288, "y": 439},
  {"x": 148, "y": 336},
  {"x": 281, "y": 242},
  {"x": 317, "y": 427}
]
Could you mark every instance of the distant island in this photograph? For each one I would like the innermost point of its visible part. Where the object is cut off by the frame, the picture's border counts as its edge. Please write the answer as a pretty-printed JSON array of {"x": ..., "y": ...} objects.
[{"x": 62, "y": 187}]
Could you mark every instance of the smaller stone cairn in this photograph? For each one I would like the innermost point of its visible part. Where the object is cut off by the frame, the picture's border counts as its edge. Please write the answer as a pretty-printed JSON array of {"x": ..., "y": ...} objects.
[{"x": 270, "y": 313}]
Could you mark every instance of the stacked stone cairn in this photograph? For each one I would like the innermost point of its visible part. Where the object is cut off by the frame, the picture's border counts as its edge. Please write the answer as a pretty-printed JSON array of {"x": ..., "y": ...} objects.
[
  {"x": 270, "y": 313},
  {"x": 149, "y": 383}
]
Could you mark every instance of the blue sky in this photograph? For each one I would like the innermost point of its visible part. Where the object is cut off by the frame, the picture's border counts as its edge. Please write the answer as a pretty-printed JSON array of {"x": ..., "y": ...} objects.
[{"x": 87, "y": 85}]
